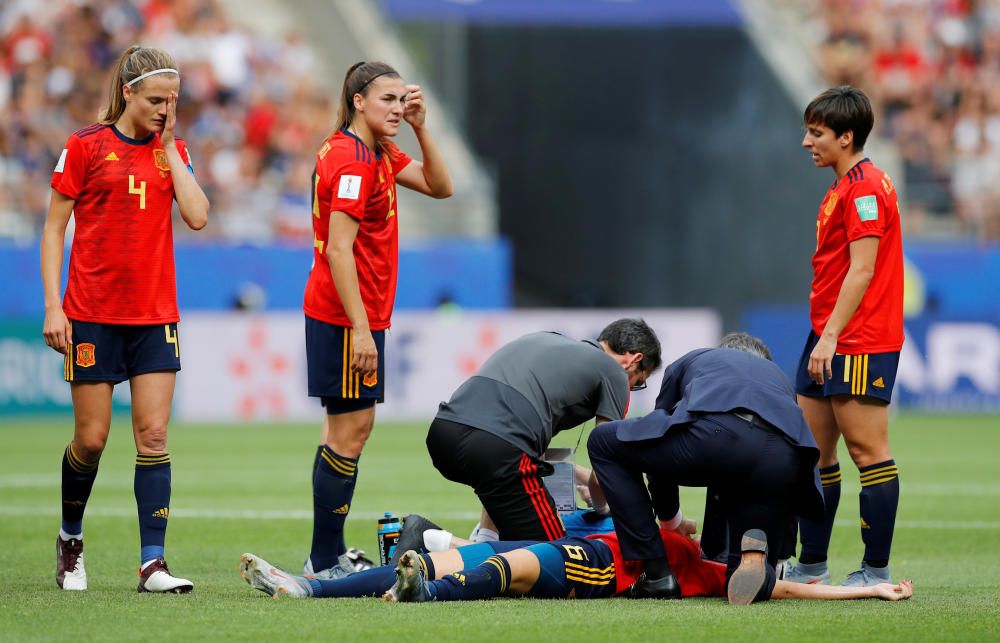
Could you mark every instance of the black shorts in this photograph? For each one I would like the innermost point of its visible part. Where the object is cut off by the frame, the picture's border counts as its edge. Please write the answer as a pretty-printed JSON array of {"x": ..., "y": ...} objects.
[
  {"x": 867, "y": 375},
  {"x": 117, "y": 352},
  {"x": 507, "y": 480},
  {"x": 586, "y": 567},
  {"x": 329, "y": 349}
]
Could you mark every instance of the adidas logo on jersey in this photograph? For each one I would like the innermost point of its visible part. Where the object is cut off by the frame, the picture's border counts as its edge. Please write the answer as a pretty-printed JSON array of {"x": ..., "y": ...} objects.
[
  {"x": 111, "y": 157},
  {"x": 161, "y": 513},
  {"x": 342, "y": 510},
  {"x": 879, "y": 383}
]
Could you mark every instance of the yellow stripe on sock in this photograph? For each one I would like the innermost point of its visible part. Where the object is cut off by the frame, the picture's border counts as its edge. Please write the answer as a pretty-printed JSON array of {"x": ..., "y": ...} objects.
[
  {"x": 875, "y": 472},
  {"x": 152, "y": 458},
  {"x": 503, "y": 573},
  {"x": 423, "y": 567},
  {"x": 338, "y": 466},
  {"x": 869, "y": 483},
  {"x": 346, "y": 468},
  {"x": 890, "y": 472},
  {"x": 342, "y": 461},
  {"x": 76, "y": 463}
]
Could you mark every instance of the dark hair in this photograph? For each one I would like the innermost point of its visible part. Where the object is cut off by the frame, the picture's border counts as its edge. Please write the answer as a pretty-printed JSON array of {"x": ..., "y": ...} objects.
[
  {"x": 358, "y": 80},
  {"x": 134, "y": 62},
  {"x": 842, "y": 109},
  {"x": 633, "y": 336},
  {"x": 747, "y": 343}
]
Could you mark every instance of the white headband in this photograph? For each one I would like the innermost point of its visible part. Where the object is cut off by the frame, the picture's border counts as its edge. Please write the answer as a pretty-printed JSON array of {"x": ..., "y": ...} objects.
[{"x": 151, "y": 73}]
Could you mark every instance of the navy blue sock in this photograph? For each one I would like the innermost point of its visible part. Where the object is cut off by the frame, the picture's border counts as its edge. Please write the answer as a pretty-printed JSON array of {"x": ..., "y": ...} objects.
[
  {"x": 319, "y": 452},
  {"x": 816, "y": 535},
  {"x": 77, "y": 481},
  {"x": 152, "y": 498},
  {"x": 490, "y": 579},
  {"x": 429, "y": 572},
  {"x": 371, "y": 582},
  {"x": 333, "y": 489},
  {"x": 879, "y": 499}
]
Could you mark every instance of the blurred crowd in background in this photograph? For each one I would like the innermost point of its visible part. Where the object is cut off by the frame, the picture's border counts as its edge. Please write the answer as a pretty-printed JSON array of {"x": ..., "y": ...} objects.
[
  {"x": 252, "y": 116},
  {"x": 933, "y": 69},
  {"x": 248, "y": 110}
]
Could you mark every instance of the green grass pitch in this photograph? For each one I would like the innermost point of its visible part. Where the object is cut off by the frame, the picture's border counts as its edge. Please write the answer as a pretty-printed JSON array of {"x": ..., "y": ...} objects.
[{"x": 243, "y": 488}]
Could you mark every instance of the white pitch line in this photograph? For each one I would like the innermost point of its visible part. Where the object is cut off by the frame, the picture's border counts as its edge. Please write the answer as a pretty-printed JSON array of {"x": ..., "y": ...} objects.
[
  {"x": 124, "y": 481},
  {"x": 221, "y": 514},
  {"x": 302, "y": 514}
]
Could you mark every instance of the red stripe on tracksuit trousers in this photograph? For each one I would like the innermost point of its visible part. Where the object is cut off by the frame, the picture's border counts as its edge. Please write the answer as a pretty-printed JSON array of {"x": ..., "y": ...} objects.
[{"x": 551, "y": 524}]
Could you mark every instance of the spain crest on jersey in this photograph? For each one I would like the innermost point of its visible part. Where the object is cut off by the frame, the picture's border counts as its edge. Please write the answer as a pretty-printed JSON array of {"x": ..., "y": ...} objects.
[
  {"x": 831, "y": 203},
  {"x": 85, "y": 355},
  {"x": 160, "y": 160}
]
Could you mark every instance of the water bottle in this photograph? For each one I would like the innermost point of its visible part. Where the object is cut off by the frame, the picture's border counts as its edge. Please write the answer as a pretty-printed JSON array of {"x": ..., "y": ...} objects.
[{"x": 388, "y": 537}]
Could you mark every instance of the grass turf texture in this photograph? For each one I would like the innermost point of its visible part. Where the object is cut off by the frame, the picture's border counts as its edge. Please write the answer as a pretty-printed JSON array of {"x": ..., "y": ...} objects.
[{"x": 246, "y": 488}]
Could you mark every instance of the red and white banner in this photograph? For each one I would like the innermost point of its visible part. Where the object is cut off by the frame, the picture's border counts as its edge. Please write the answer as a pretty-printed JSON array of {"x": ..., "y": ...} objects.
[{"x": 246, "y": 367}]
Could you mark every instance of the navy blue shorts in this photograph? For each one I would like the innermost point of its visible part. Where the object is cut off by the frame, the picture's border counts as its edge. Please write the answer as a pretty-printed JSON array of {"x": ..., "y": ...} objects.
[
  {"x": 867, "y": 375},
  {"x": 116, "y": 352},
  {"x": 329, "y": 349},
  {"x": 574, "y": 567}
]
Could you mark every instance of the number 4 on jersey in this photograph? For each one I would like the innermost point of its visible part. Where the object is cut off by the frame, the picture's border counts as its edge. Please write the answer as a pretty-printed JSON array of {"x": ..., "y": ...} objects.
[{"x": 141, "y": 190}]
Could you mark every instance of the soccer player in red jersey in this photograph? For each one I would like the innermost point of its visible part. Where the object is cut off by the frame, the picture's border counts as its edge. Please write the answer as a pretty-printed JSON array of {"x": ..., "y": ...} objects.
[
  {"x": 118, "y": 319},
  {"x": 352, "y": 284},
  {"x": 848, "y": 367}
]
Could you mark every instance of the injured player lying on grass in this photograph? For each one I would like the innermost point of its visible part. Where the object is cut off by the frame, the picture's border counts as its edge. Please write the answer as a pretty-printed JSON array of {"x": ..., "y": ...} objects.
[{"x": 567, "y": 568}]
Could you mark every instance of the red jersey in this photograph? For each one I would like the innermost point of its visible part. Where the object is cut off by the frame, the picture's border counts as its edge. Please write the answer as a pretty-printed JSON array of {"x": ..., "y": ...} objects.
[
  {"x": 121, "y": 267},
  {"x": 695, "y": 575},
  {"x": 863, "y": 203},
  {"x": 350, "y": 178}
]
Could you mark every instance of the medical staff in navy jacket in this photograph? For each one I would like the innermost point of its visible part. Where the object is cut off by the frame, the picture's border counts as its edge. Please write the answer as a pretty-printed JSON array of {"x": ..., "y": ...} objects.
[{"x": 725, "y": 418}]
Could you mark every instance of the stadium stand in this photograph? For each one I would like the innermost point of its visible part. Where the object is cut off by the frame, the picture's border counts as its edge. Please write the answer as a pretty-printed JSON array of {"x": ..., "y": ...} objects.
[
  {"x": 933, "y": 68},
  {"x": 253, "y": 107}
]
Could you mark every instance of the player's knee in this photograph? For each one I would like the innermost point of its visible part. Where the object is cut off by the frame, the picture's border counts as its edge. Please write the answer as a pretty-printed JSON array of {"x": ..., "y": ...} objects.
[
  {"x": 89, "y": 449},
  {"x": 151, "y": 437},
  {"x": 351, "y": 445},
  {"x": 864, "y": 454}
]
